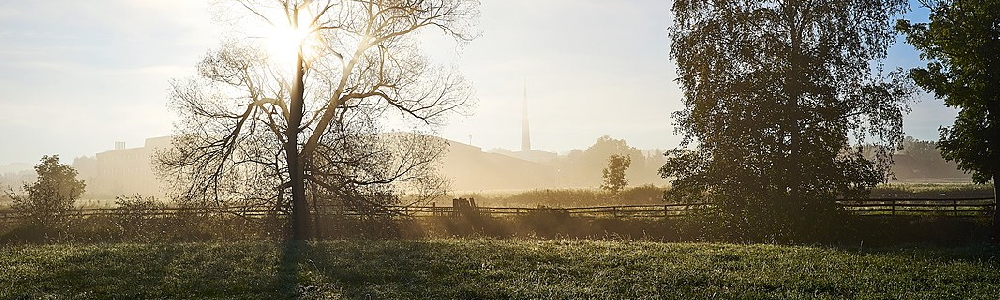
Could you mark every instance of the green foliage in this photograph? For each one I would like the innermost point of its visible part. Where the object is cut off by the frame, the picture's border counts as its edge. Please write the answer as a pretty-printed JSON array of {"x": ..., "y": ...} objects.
[
  {"x": 136, "y": 216},
  {"x": 493, "y": 269},
  {"x": 50, "y": 198},
  {"x": 614, "y": 174},
  {"x": 960, "y": 41},
  {"x": 775, "y": 93}
]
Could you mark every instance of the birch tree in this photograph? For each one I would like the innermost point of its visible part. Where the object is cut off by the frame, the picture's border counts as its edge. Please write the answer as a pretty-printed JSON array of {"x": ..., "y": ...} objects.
[{"x": 782, "y": 98}]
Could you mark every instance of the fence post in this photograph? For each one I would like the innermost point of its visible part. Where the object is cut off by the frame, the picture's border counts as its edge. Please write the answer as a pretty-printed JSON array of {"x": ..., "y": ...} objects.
[
  {"x": 893, "y": 207},
  {"x": 665, "y": 211},
  {"x": 614, "y": 212},
  {"x": 954, "y": 207}
]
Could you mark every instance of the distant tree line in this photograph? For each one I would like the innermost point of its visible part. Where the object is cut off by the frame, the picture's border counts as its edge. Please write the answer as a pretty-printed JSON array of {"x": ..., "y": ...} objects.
[
  {"x": 584, "y": 168},
  {"x": 921, "y": 159}
]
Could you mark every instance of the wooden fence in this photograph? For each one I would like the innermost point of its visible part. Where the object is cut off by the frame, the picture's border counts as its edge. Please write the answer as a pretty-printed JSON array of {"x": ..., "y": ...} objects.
[{"x": 954, "y": 207}]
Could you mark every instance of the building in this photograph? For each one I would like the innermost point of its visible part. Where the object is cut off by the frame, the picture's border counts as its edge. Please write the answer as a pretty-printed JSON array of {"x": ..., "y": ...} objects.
[
  {"x": 526, "y": 153},
  {"x": 124, "y": 171}
]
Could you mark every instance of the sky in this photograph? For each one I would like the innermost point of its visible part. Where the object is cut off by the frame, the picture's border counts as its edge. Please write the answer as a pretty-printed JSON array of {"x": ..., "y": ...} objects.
[{"x": 77, "y": 76}]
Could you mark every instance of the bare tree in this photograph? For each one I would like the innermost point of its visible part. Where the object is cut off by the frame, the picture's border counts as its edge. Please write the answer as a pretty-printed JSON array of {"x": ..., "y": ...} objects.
[{"x": 254, "y": 129}]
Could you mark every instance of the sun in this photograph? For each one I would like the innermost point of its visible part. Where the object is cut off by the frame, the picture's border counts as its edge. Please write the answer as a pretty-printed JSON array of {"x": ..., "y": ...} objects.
[{"x": 283, "y": 43}]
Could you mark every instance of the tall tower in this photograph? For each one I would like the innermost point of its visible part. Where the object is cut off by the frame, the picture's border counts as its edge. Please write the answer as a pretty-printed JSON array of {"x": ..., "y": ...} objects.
[{"x": 525, "y": 133}]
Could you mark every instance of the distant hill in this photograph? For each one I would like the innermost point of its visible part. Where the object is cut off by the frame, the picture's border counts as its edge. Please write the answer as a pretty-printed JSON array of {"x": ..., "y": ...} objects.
[
  {"x": 921, "y": 161},
  {"x": 471, "y": 169}
]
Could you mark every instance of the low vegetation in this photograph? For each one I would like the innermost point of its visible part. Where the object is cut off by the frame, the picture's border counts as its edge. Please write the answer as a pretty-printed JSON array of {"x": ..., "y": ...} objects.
[
  {"x": 933, "y": 190},
  {"x": 651, "y": 194},
  {"x": 643, "y": 194},
  {"x": 493, "y": 269}
]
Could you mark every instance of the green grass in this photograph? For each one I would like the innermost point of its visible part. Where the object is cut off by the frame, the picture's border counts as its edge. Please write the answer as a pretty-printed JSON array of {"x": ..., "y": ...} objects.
[
  {"x": 493, "y": 269},
  {"x": 563, "y": 197},
  {"x": 925, "y": 189}
]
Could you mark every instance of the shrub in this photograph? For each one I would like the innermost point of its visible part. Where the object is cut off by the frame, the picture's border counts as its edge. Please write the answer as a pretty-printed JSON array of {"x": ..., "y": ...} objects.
[
  {"x": 136, "y": 217},
  {"x": 548, "y": 222},
  {"x": 48, "y": 201}
]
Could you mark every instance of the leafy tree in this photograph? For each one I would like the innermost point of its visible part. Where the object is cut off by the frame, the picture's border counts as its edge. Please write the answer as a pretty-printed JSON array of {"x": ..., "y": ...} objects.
[
  {"x": 780, "y": 97},
  {"x": 302, "y": 131},
  {"x": 50, "y": 198},
  {"x": 614, "y": 173},
  {"x": 961, "y": 41}
]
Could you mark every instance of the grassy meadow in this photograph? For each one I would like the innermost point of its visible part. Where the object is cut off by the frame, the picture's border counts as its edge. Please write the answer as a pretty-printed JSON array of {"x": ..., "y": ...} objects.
[
  {"x": 562, "y": 197},
  {"x": 635, "y": 195},
  {"x": 650, "y": 194},
  {"x": 933, "y": 189},
  {"x": 536, "y": 256},
  {"x": 492, "y": 269}
]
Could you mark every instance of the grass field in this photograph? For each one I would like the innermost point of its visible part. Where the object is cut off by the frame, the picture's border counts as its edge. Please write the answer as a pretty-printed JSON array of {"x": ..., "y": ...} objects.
[
  {"x": 933, "y": 189},
  {"x": 493, "y": 269},
  {"x": 635, "y": 195}
]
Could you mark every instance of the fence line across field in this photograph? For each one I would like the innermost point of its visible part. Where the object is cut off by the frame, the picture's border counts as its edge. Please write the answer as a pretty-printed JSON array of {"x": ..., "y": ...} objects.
[{"x": 954, "y": 207}]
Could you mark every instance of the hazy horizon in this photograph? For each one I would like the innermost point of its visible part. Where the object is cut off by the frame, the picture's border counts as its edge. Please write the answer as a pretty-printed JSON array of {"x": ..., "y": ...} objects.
[{"x": 88, "y": 74}]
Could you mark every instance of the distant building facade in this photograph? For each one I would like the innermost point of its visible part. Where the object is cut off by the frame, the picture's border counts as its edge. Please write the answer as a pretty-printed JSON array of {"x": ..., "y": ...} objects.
[{"x": 123, "y": 171}]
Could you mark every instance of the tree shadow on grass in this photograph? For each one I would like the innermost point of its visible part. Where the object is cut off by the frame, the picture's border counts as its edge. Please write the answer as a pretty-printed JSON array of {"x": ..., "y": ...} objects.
[
  {"x": 287, "y": 276},
  {"x": 391, "y": 269}
]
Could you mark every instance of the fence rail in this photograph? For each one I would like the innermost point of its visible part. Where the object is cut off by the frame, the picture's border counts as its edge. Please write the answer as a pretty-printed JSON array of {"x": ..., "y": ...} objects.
[
  {"x": 953, "y": 207},
  {"x": 958, "y": 207}
]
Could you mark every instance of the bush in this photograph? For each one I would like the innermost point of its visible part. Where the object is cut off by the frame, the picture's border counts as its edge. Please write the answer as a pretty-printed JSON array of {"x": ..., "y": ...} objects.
[
  {"x": 48, "y": 201},
  {"x": 137, "y": 217},
  {"x": 548, "y": 222}
]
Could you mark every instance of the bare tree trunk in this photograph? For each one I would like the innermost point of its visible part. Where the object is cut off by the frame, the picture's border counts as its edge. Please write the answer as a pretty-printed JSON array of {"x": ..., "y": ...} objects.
[{"x": 296, "y": 173}]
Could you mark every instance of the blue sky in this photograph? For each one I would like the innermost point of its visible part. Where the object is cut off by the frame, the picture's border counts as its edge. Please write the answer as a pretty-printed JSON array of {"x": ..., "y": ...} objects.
[{"x": 79, "y": 75}]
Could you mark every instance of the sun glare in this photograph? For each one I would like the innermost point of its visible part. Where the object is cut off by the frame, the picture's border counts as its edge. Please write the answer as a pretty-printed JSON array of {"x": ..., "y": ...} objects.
[{"x": 282, "y": 43}]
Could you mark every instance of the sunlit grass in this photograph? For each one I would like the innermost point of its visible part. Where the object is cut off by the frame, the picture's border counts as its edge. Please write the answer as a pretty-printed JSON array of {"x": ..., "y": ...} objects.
[
  {"x": 926, "y": 189},
  {"x": 563, "y": 197},
  {"x": 494, "y": 269},
  {"x": 570, "y": 197}
]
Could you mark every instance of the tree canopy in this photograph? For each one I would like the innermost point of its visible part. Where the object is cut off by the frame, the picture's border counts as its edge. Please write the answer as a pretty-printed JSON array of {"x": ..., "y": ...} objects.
[
  {"x": 961, "y": 43},
  {"x": 51, "y": 196},
  {"x": 782, "y": 100},
  {"x": 614, "y": 174},
  {"x": 259, "y": 128}
]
